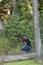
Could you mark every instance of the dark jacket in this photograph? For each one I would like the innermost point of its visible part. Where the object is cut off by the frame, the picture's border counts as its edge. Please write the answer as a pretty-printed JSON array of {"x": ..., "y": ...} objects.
[{"x": 27, "y": 41}]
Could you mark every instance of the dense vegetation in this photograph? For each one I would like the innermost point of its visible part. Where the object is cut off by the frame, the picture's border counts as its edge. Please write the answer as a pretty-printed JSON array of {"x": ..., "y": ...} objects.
[{"x": 17, "y": 23}]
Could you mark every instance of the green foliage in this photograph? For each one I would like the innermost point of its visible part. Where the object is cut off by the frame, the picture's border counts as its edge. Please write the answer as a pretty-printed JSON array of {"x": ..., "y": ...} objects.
[
  {"x": 5, "y": 7},
  {"x": 41, "y": 26},
  {"x": 22, "y": 9},
  {"x": 4, "y": 42},
  {"x": 16, "y": 27},
  {"x": 19, "y": 24}
]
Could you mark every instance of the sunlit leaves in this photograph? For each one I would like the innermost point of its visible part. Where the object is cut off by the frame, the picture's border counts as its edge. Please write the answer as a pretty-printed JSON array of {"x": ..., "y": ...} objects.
[{"x": 1, "y": 0}]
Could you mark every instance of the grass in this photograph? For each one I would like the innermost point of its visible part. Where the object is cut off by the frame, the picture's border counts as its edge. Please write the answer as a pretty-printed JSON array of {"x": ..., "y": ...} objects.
[{"x": 26, "y": 62}]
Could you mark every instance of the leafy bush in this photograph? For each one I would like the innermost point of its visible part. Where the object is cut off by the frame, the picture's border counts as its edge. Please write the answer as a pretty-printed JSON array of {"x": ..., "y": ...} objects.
[
  {"x": 4, "y": 43},
  {"x": 16, "y": 27}
]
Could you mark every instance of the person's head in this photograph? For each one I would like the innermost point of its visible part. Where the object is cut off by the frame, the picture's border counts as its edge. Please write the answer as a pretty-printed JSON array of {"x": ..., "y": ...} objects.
[{"x": 25, "y": 37}]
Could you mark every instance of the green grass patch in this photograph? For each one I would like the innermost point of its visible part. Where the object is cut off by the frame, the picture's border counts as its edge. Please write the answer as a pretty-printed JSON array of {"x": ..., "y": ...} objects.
[{"x": 26, "y": 62}]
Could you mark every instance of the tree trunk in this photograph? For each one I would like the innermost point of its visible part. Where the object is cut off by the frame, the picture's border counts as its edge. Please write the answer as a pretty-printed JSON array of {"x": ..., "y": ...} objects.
[
  {"x": 1, "y": 25},
  {"x": 36, "y": 28},
  {"x": 13, "y": 4}
]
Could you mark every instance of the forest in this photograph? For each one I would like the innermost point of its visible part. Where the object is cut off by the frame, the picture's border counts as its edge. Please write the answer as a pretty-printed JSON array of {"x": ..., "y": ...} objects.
[{"x": 16, "y": 20}]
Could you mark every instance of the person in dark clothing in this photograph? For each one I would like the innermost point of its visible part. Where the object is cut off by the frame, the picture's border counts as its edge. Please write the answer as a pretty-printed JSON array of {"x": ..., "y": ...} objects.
[{"x": 27, "y": 44}]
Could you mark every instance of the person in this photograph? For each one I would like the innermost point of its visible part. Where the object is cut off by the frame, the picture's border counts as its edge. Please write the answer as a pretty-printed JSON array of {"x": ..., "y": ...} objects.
[{"x": 27, "y": 44}]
